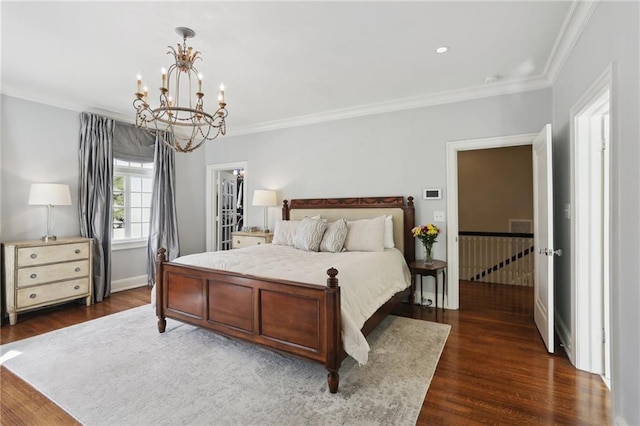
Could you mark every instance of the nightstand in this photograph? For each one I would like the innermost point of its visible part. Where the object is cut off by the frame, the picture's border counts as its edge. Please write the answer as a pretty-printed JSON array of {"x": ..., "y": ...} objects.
[
  {"x": 39, "y": 274},
  {"x": 246, "y": 239},
  {"x": 419, "y": 267}
]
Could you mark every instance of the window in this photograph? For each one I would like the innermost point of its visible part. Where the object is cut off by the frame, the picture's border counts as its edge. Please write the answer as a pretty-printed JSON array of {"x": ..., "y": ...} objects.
[{"x": 132, "y": 183}]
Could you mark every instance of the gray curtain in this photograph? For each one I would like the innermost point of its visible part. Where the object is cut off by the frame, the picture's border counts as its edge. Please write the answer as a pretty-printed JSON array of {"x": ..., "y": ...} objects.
[
  {"x": 96, "y": 189},
  {"x": 163, "y": 226}
]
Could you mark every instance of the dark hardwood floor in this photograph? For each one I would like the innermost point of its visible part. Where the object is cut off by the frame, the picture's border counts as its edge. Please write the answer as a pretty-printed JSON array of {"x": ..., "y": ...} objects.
[{"x": 494, "y": 368}]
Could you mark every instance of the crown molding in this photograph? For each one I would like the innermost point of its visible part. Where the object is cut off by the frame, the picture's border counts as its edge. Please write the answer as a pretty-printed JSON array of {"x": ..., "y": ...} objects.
[
  {"x": 438, "y": 98},
  {"x": 70, "y": 106},
  {"x": 574, "y": 23}
]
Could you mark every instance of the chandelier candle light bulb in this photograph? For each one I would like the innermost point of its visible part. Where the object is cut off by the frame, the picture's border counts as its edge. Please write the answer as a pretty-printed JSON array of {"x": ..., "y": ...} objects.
[{"x": 221, "y": 94}]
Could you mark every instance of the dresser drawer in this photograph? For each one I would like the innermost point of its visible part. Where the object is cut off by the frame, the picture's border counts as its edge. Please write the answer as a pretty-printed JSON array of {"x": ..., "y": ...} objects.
[
  {"x": 47, "y": 293},
  {"x": 30, "y": 256},
  {"x": 240, "y": 241},
  {"x": 57, "y": 272}
]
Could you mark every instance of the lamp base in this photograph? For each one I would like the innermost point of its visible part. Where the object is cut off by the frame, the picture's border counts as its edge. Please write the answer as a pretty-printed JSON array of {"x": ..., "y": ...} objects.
[{"x": 47, "y": 238}]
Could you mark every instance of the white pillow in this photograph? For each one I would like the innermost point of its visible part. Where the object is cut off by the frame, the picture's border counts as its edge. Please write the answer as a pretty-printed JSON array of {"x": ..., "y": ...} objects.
[
  {"x": 309, "y": 234},
  {"x": 285, "y": 231},
  {"x": 388, "y": 232},
  {"x": 365, "y": 235},
  {"x": 334, "y": 236}
]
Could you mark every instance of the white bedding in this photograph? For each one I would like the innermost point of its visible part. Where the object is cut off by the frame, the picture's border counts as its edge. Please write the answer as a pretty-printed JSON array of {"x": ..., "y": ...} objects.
[{"x": 367, "y": 279}]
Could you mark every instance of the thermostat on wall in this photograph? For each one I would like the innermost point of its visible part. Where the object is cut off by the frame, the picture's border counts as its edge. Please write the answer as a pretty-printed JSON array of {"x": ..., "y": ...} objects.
[{"x": 432, "y": 193}]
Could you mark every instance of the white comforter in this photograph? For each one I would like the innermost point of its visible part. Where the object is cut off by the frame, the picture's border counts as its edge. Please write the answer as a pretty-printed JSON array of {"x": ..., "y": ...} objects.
[{"x": 367, "y": 279}]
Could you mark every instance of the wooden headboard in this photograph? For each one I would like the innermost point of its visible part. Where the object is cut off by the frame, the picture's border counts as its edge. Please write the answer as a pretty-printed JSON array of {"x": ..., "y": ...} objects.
[{"x": 361, "y": 208}]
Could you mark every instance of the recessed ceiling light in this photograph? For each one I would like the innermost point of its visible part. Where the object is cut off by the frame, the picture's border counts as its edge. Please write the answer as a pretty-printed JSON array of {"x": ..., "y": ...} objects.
[{"x": 442, "y": 49}]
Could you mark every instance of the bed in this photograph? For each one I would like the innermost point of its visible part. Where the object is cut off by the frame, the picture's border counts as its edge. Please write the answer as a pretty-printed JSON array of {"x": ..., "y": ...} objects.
[{"x": 289, "y": 312}]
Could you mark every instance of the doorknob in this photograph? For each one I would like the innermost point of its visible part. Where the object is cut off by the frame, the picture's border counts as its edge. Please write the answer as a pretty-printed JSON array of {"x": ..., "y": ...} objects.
[{"x": 550, "y": 252}]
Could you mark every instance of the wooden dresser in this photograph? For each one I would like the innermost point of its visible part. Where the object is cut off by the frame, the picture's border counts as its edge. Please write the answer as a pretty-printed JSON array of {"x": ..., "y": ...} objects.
[
  {"x": 39, "y": 274},
  {"x": 246, "y": 239}
]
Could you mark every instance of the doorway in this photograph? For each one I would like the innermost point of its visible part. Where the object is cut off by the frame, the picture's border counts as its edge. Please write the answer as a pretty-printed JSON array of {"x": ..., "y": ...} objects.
[
  {"x": 590, "y": 292},
  {"x": 225, "y": 201},
  {"x": 543, "y": 223}
]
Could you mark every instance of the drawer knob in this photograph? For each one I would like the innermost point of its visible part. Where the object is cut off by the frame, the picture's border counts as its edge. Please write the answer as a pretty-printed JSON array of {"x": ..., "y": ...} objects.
[
  {"x": 77, "y": 287},
  {"x": 33, "y": 255},
  {"x": 33, "y": 296},
  {"x": 77, "y": 269},
  {"x": 33, "y": 276},
  {"x": 77, "y": 251}
]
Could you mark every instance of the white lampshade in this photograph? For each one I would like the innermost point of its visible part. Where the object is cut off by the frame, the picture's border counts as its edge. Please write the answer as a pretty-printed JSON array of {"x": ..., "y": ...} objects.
[
  {"x": 49, "y": 194},
  {"x": 264, "y": 198}
]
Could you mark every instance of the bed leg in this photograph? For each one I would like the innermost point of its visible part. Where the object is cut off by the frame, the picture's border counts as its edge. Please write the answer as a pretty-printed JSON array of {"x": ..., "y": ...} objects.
[
  {"x": 162, "y": 324},
  {"x": 333, "y": 379}
]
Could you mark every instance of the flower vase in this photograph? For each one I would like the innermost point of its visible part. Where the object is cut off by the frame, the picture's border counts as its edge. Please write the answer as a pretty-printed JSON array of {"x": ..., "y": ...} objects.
[{"x": 428, "y": 259}]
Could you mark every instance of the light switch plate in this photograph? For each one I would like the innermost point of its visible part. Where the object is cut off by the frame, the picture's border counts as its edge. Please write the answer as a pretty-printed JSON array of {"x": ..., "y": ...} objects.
[{"x": 438, "y": 216}]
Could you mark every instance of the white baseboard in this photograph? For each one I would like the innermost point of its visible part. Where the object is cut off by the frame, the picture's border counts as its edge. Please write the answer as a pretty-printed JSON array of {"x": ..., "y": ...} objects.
[{"x": 129, "y": 283}]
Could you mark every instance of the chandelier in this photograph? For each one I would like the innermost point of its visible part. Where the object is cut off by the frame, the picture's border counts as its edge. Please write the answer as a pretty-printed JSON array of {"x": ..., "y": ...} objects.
[{"x": 180, "y": 115}]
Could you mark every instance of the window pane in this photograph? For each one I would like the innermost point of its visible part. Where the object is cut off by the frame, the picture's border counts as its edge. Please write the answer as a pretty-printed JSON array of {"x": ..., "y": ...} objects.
[
  {"x": 146, "y": 200},
  {"x": 136, "y": 215},
  {"x": 145, "y": 229},
  {"x": 136, "y": 230},
  {"x": 118, "y": 234},
  {"x": 147, "y": 184},
  {"x": 118, "y": 215},
  {"x": 136, "y": 184},
  {"x": 118, "y": 183},
  {"x": 136, "y": 199},
  {"x": 135, "y": 164},
  {"x": 145, "y": 214},
  {"x": 120, "y": 162},
  {"x": 118, "y": 200},
  {"x": 147, "y": 165}
]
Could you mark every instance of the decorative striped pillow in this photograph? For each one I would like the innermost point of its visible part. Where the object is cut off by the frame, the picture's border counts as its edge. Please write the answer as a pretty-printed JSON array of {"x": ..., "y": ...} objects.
[
  {"x": 334, "y": 236},
  {"x": 309, "y": 234}
]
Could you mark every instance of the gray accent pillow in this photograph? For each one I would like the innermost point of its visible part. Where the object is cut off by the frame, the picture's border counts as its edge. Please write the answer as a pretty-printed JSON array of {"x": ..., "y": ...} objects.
[
  {"x": 334, "y": 236},
  {"x": 309, "y": 234}
]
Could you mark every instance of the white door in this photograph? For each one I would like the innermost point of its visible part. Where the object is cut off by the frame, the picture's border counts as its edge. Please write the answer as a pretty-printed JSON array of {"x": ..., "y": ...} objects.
[
  {"x": 227, "y": 209},
  {"x": 543, "y": 236}
]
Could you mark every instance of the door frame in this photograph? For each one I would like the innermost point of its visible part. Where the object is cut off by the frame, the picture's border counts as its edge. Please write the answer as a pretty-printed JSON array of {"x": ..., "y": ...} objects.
[
  {"x": 453, "y": 147},
  {"x": 590, "y": 301},
  {"x": 210, "y": 199}
]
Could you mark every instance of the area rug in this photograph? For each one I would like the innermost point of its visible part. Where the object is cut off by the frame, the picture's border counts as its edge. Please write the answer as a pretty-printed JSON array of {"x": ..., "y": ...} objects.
[{"x": 119, "y": 370}]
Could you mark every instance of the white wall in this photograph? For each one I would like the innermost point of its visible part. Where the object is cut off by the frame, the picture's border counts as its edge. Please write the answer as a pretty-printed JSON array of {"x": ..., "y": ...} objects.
[
  {"x": 611, "y": 36},
  {"x": 40, "y": 144},
  {"x": 394, "y": 154}
]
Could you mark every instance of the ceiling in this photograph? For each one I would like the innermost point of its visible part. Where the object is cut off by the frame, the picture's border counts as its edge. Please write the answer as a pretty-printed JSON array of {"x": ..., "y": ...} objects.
[{"x": 283, "y": 63}]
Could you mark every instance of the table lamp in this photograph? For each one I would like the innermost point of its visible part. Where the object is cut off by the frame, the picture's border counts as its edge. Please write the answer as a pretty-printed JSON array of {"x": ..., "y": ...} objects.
[
  {"x": 50, "y": 195},
  {"x": 264, "y": 198}
]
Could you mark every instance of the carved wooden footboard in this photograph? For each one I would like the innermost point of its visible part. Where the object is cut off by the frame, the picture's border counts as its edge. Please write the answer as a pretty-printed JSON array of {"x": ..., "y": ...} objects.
[{"x": 296, "y": 318}]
